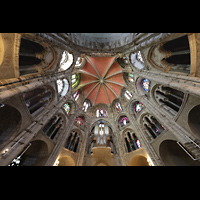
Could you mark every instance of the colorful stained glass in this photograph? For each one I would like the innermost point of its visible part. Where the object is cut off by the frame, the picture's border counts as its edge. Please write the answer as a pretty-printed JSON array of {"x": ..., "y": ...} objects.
[
  {"x": 146, "y": 85},
  {"x": 138, "y": 144},
  {"x": 76, "y": 95},
  {"x": 128, "y": 95},
  {"x": 138, "y": 107},
  {"x": 124, "y": 121},
  {"x": 130, "y": 77},
  {"x": 67, "y": 108},
  {"x": 101, "y": 113},
  {"x": 118, "y": 107},
  {"x": 79, "y": 121}
]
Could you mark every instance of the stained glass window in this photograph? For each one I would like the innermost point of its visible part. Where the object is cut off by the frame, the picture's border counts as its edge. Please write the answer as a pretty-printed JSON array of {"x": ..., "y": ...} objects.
[
  {"x": 128, "y": 95},
  {"x": 85, "y": 106},
  {"x": 101, "y": 113},
  {"x": 139, "y": 57},
  {"x": 124, "y": 120},
  {"x": 79, "y": 121},
  {"x": 66, "y": 61},
  {"x": 76, "y": 95},
  {"x": 138, "y": 107},
  {"x": 78, "y": 62},
  {"x": 130, "y": 77},
  {"x": 118, "y": 107},
  {"x": 145, "y": 84},
  {"x": 67, "y": 108},
  {"x": 73, "y": 78},
  {"x": 59, "y": 85},
  {"x": 62, "y": 86},
  {"x": 138, "y": 144}
]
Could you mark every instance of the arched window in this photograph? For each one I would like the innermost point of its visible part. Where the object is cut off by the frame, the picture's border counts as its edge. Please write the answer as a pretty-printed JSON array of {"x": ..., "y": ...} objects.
[
  {"x": 79, "y": 121},
  {"x": 130, "y": 77},
  {"x": 128, "y": 95},
  {"x": 10, "y": 122},
  {"x": 62, "y": 86},
  {"x": 34, "y": 154},
  {"x": 102, "y": 112},
  {"x": 138, "y": 107},
  {"x": 123, "y": 120},
  {"x": 131, "y": 141},
  {"x": 145, "y": 84},
  {"x": 101, "y": 135},
  {"x": 66, "y": 61},
  {"x": 152, "y": 127},
  {"x": 67, "y": 108},
  {"x": 72, "y": 142},
  {"x": 118, "y": 107},
  {"x": 36, "y": 100},
  {"x": 53, "y": 128},
  {"x": 30, "y": 55},
  {"x": 177, "y": 54},
  {"x": 170, "y": 99},
  {"x": 86, "y": 105},
  {"x": 137, "y": 60},
  {"x": 76, "y": 95}
]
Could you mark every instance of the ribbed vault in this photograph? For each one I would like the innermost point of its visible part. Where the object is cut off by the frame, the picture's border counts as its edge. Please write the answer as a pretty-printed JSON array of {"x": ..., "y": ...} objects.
[{"x": 101, "y": 79}]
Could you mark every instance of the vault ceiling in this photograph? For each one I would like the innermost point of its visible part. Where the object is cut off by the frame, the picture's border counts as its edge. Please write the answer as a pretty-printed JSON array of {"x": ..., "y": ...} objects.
[{"x": 101, "y": 79}]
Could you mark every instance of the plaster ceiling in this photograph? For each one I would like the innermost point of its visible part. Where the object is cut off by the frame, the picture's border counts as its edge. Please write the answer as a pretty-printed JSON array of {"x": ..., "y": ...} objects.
[{"x": 101, "y": 79}]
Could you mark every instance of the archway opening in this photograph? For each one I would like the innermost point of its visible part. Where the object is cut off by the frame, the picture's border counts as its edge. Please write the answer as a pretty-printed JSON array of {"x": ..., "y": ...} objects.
[
  {"x": 173, "y": 155},
  {"x": 10, "y": 121},
  {"x": 194, "y": 120}
]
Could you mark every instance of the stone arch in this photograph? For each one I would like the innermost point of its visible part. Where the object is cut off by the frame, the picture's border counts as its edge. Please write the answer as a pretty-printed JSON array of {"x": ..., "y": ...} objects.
[
  {"x": 54, "y": 126},
  {"x": 73, "y": 141},
  {"x": 10, "y": 122},
  {"x": 152, "y": 127},
  {"x": 37, "y": 99},
  {"x": 36, "y": 154},
  {"x": 173, "y": 155},
  {"x": 138, "y": 160},
  {"x": 168, "y": 98},
  {"x": 194, "y": 120}
]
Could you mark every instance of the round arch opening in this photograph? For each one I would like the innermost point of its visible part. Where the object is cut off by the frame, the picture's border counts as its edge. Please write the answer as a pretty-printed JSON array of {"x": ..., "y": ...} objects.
[
  {"x": 173, "y": 155},
  {"x": 10, "y": 122},
  {"x": 194, "y": 120}
]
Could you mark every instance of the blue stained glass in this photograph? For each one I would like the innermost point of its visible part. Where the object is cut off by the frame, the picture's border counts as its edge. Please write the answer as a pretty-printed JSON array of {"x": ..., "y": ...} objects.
[{"x": 146, "y": 84}]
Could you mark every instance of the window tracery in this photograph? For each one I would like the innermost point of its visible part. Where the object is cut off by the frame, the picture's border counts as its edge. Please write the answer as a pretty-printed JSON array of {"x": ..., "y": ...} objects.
[
  {"x": 138, "y": 107},
  {"x": 79, "y": 121},
  {"x": 72, "y": 142},
  {"x": 66, "y": 61},
  {"x": 123, "y": 120},
  {"x": 128, "y": 95},
  {"x": 145, "y": 84},
  {"x": 102, "y": 112},
  {"x": 130, "y": 77},
  {"x": 132, "y": 143},
  {"x": 86, "y": 105},
  {"x": 76, "y": 95},
  {"x": 67, "y": 108},
  {"x": 118, "y": 107}
]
